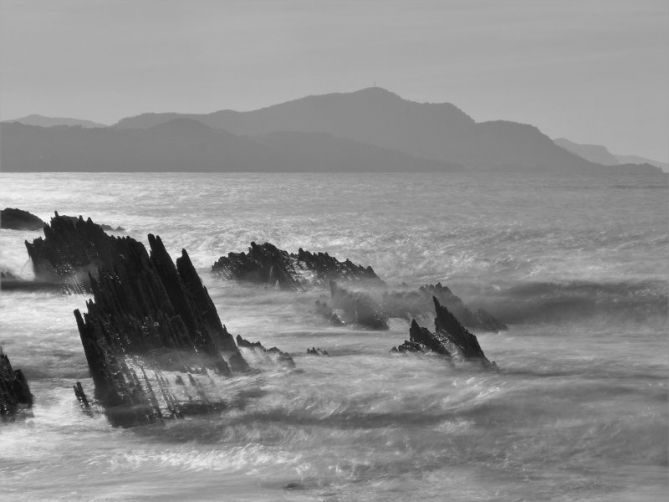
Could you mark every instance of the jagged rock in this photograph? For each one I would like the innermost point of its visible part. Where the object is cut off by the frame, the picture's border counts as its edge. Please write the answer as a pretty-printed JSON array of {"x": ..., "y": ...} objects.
[
  {"x": 14, "y": 390},
  {"x": 267, "y": 264},
  {"x": 325, "y": 311},
  {"x": 450, "y": 339},
  {"x": 317, "y": 351},
  {"x": 72, "y": 250},
  {"x": 410, "y": 304},
  {"x": 18, "y": 219},
  {"x": 151, "y": 323},
  {"x": 358, "y": 308},
  {"x": 257, "y": 347}
]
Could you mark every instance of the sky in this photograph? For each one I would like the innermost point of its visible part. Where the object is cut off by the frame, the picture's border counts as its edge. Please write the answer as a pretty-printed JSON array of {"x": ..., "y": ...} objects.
[{"x": 594, "y": 71}]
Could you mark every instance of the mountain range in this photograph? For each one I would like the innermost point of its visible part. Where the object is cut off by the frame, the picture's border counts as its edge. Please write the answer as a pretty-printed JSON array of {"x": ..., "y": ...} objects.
[{"x": 370, "y": 130}]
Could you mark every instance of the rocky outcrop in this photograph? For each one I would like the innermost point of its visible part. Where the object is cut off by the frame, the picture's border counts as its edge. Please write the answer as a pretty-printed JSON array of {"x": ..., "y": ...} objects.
[
  {"x": 450, "y": 339},
  {"x": 14, "y": 390},
  {"x": 357, "y": 308},
  {"x": 72, "y": 250},
  {"x": 18, "y": 219},
  {"x": 317, "y": 351},
  {"x": 273, "y": 353},
  {"x": 267, "y": 264},
  {"x": 410, "y": 304},
  {"x": 153, "y": 340}
]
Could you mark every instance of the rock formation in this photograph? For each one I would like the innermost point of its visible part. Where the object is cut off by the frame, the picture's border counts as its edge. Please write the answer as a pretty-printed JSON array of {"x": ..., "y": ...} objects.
[
  {"x": 317, "y": 351},
  {"x": 267, "y": 264},
  {"x": 273, "y": 353},
  {"x": 357, "y": 308},
  {"x": 410, "y": 304},
  {"x": 71, "y": 250},
  {"x": 450, "y": 339},
  {"x": 14, "y": 391},
  {"x": 153, "y": 340},
  {"x": 17, "y": 219}
]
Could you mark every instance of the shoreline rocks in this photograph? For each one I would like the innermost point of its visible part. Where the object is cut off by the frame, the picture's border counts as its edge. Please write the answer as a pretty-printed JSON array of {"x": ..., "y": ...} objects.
[
  {"x": 269, "y": 265},
  {"x": 153, "y": 340},
  {"x": 18, "y": 219},
  {"x": 14, "y": 389},
  {"x": 450, "y": 339}
]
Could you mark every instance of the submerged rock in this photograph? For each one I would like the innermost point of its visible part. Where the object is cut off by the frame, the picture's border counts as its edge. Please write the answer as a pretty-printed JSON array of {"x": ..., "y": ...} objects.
[
  {"x": 267, "y": 264},
  {"x": 450, "y": 339},
  {"x": 325, "y": 311},
  {"x": 151, "y": 325},
  {"x": 258, "y": 348},
  {"x": 358, "y": 308},
  {"x": 18, "y": 219},
  {"x": 14, "y": 390},
  {"x": 410, "y": 304}
]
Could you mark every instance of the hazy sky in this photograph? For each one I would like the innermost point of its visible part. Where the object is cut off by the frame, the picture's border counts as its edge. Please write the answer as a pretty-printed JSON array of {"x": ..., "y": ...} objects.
[{"x": 592, "y": 70}]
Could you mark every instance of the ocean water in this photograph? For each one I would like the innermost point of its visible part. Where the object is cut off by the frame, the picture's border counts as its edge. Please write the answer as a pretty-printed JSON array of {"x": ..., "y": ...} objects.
[{"x": 579, "y": 410}]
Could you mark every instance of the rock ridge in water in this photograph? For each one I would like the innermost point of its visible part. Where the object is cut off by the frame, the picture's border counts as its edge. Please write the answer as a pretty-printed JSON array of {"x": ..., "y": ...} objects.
[
  {"x": 410, "y": 304},
  {"x": 267, "y": 264},
  {"x": 12, "y": 218},
  {"x": 14, "y": 390},
  {"x": 272, "y": 353},
  {"x": 450, "y": 339},
  {"x": 153, "y": 340}
]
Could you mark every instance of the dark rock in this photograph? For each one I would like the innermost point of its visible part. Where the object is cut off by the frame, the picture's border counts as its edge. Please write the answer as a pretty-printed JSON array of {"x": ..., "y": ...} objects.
[
  {"x": 148, "y": 320},
  {"x": 450, "y": 339},
  {"x": 257, "y": 347},
  {"x": 17, "y": 219},
  {"x": 72, "y": 250},
  {"x": 410, "y": 304},
  {"x": 325, "y": 311},
  {"x": 81, "y": 396},
  {"x": 317, "y": 351},
  {"x": 409, "y": 346},
  {"x": 267, "y": 264},
  {"x": 14, "y": 390},
  {"x": 358, "y": 308}
]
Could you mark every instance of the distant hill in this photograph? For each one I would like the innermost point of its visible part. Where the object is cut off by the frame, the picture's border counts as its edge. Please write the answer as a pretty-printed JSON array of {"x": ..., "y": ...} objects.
[
  {"x": 601, "y": 155},
  {"x": 184, "y": 144},
  {"x": 636, "y": 159},
  {"x": 368, "y": 130},
  {"x": 42, "y": 121},
  {"x": 438, "y": 131},
  {"x": 593, "y": 153}
]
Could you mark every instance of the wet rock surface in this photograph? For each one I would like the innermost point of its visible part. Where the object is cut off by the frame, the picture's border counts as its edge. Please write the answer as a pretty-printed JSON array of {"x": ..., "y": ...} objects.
[
  {"x": 450, "y": 339},
  {"x": 154, "y": 343},
  {"x": 18, "y": 219},
  {"x": 267, "y": 264},
  {"x": 273, "y": 352},
  {"x": 14, "y": 390}
]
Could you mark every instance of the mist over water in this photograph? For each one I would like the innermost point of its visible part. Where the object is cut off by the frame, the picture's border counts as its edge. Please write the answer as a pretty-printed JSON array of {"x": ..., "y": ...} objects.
[{"x": 577, "y": 266}]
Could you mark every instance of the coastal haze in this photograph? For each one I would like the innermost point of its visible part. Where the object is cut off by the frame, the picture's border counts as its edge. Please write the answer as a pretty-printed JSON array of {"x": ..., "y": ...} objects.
[{"x": 512, "y": 153}]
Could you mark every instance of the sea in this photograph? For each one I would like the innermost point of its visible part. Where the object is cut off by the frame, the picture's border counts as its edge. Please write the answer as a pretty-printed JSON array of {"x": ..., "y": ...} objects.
[{"x": 576, "y": 265}]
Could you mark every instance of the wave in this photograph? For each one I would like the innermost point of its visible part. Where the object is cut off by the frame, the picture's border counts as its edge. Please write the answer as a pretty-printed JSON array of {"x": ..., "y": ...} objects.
[{"x": 634, "y": 301}]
